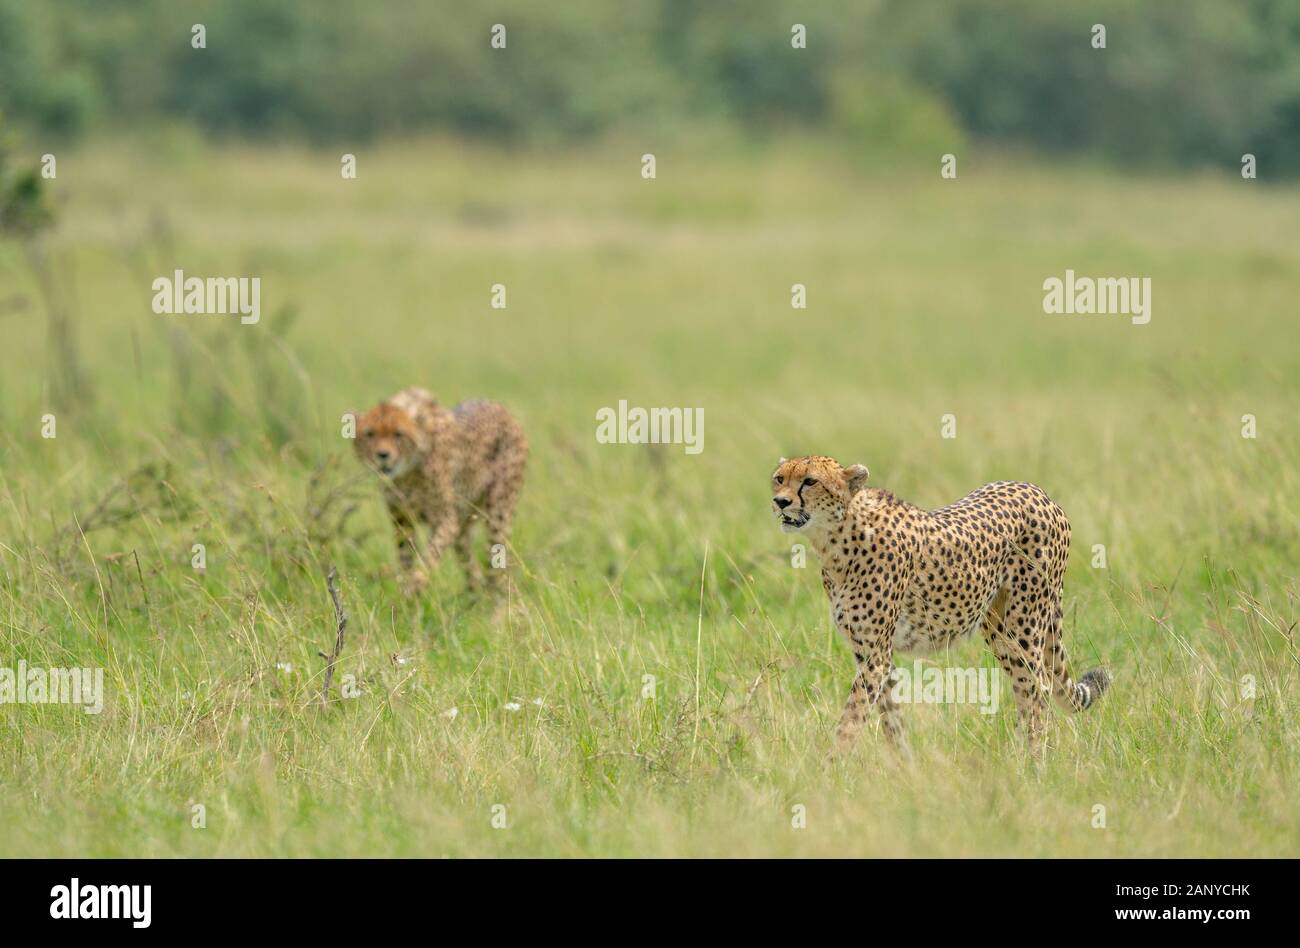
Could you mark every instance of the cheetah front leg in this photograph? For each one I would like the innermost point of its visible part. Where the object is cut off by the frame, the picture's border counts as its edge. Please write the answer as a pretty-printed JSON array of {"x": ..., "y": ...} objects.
[
  {"x": 870, "y": 688},
  {"x": 870, "y": 632},
  {"x": 442, "y": 517},
  {"x": 413, "y": 576},
  {"x": 443, "y": 533}
]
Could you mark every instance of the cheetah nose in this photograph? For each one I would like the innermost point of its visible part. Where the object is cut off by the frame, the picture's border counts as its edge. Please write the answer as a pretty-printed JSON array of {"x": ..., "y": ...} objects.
[
  {"x": 382, "y": 455},
  {"x": 782, "y": 502}
]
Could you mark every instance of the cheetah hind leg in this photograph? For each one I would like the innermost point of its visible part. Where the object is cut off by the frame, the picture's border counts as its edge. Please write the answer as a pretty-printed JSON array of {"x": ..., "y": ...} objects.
[
  {"x": 1008, "y": 625},
  {"x": 467, "y": 556},
  {"x": 502, "y": 497}
]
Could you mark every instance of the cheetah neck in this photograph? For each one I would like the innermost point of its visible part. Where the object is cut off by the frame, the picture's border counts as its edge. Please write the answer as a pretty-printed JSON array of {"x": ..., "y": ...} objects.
[
  {"x": 829, "y": 541},
  {"x": 405, "y": 486},
  {"x": 826, "y": 540}
]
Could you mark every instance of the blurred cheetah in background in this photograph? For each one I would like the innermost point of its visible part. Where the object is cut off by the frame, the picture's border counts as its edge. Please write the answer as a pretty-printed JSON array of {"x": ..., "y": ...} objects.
[
  {"x": 901, "y": 578},
  {"x": 446, "y": 469}
]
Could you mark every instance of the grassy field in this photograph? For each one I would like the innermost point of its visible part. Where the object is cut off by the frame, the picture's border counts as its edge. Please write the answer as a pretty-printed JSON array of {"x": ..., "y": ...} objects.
[{"x": 924, "y": 299}]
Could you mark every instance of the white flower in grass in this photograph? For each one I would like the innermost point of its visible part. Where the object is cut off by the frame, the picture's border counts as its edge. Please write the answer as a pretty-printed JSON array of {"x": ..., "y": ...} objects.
[
  {"x": 512, "y": 705},
  {"x": 539, "y": 701},
  {"x": 286, "y": 667},
  {"x": 450, "y": 713}
]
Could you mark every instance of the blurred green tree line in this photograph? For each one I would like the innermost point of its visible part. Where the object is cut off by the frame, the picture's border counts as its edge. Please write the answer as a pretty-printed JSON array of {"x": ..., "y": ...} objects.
[{"x": 1180, "y": 81}]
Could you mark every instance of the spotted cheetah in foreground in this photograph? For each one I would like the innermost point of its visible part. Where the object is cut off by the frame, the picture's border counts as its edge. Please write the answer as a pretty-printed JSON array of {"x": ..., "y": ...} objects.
[
  {"x": 444, "y": 468},
  {"x": 901, "y": 578}
]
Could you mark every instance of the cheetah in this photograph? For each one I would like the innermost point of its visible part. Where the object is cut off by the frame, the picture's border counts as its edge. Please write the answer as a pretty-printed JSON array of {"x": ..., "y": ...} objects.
[
  {"x": 444, "y": 468},
  {"x": 904, "y": 579}
]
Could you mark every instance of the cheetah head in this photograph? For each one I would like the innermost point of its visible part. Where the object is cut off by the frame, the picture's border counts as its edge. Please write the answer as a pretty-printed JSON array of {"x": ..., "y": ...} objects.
[
  {"x": 813, "y": 492},
  {"x": 389, "y": 441}
]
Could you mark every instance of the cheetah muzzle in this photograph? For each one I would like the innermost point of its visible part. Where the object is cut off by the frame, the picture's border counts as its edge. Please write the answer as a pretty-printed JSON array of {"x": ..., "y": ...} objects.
[{"x": 793, "y": 523}]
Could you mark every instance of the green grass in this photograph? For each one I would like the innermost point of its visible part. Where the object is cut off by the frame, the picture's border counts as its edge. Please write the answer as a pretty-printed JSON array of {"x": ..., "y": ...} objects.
[{"x": 924, "y": 299}]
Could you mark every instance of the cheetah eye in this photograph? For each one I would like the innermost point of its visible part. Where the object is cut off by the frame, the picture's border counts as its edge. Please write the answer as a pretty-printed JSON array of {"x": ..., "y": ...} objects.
[
  {"x": 779, "y": 479},
  {"x": 397, "y": 435},
  {"x": 368, "y": 433},
  {"x": 809, "y": 481}
]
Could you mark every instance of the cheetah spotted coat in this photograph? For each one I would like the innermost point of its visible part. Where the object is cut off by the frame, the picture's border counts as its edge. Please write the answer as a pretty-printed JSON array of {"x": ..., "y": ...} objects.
[
  {"x": 899, "y": 578},
  {"x": 446, "y": 469}
]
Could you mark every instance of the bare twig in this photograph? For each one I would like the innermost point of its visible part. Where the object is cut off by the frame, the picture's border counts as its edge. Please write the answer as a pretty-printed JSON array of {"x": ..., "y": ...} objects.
[
  {"x": 341, "y": 616},
  {"x": 758, "y": 681},
  {"x": 328, "y": 508},
  {"x": 649, "y": 761},
  {"x": 123, "y": 501}
]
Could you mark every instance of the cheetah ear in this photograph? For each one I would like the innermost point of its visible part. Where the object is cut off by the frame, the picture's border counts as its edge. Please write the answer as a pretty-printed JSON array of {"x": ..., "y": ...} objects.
[{"x": 856, "y": 476}]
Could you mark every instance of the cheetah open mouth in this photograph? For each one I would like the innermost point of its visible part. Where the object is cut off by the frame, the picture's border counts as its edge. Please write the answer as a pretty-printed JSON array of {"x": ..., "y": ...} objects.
[{"x": 794, "y": 521}]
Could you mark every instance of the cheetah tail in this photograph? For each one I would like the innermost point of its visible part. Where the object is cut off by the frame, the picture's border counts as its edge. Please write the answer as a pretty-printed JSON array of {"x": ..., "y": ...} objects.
[{"x": 1088, "y": 689}]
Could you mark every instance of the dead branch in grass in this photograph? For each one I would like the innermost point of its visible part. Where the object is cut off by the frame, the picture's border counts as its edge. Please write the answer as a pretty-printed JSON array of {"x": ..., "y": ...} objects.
[
  {"x": 106, "y": 513},
  {"x": 330, "y": 505},
  {"x": 144, "y": 489},
  {"x": 341, "y": 618}
]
